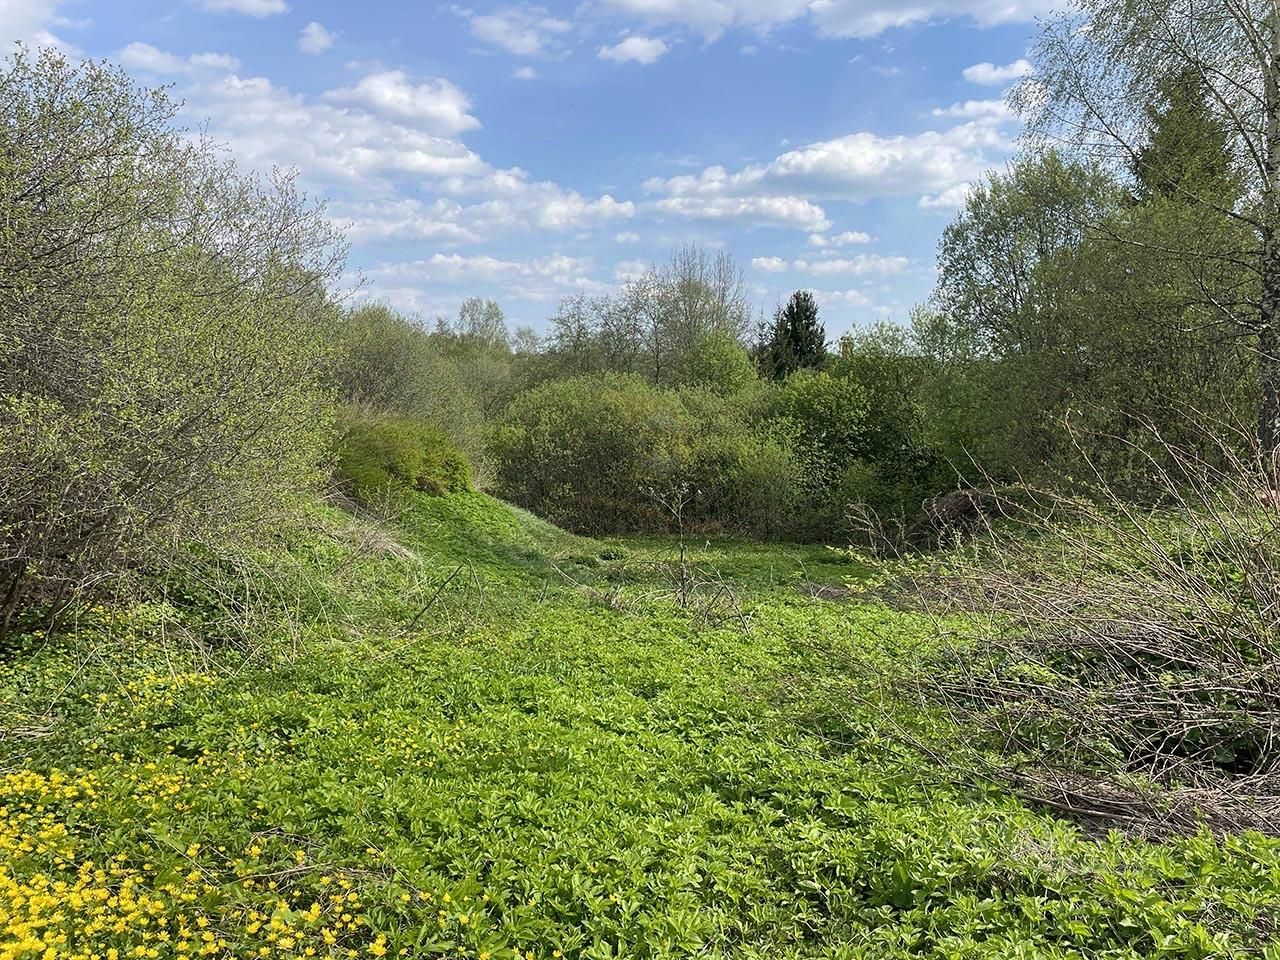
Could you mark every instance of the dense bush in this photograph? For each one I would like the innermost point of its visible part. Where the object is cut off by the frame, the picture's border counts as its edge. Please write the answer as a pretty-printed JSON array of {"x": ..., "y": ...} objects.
[
  {"x": 829, "y": 417},
  {"x": 164, "y": 326},
  {"x": 719, "y": 364},
  {"x": 581, "y": 451},
  {"x": 1076, "y": 309},
  {"x": 458, "y": 375},
  {"x": 602, "y": 453},
  {"x": 380, "y": 453}
]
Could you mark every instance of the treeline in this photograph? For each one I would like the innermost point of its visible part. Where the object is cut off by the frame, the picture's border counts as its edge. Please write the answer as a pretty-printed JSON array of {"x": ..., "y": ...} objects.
[
  {"x": 666, "y": 390},
  {"x": 1094, "y": 324},
  {"x": 1091, "y": 324},
  {"x": 1112, "y": 302}
]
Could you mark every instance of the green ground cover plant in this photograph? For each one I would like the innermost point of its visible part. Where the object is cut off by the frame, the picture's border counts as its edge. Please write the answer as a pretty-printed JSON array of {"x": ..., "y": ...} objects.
[{"x": 529, "y": 770}]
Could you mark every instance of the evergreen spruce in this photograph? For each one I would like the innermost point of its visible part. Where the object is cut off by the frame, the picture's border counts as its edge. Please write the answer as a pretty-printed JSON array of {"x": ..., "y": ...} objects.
[{"x": 796, "y": 340}]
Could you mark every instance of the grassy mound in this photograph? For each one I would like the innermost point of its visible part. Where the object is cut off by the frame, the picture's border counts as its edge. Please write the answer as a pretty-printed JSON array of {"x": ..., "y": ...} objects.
[{"x": 471, "y": 734}]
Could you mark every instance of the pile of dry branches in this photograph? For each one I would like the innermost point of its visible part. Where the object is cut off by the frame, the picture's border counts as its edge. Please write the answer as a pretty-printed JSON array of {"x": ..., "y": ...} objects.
[{"x": 1122, "y": 665}]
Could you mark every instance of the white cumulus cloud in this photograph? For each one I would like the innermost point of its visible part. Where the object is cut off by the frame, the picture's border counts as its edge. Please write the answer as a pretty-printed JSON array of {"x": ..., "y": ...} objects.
[
  {"x": 769, "y": 264},
  {"x": 32, "y": 21},
  {"x": 783, "y": 211},
  {"x": 315, "y": 38},
  {"x": 990, "y": 75},
  {"x": 254, "y": 8},
  {"x": 435, "y": 103},
  {"x": 862, "y": 265},
  {"x": 848, "y": 238},
  {"x": 145, "y": 58},
  {"x": 541, "y": 279},
  {"x": 857, "y": 167},
  {"x": 854, "y": 298},
  {"x": 644, "y": 50},
  {"x": 948, "y": 200},
  {"x": 525, "y": 30},
  {"x": 970, "y": 109}
]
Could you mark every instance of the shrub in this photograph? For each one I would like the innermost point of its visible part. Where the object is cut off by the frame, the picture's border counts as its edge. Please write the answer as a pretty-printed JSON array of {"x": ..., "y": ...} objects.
[
  {"x": 381, "y": 453},
  {"x": 749, "y": 483},
  {"x": 455, "y": 379},
  {"x": 718, "y": 363},
  {"x": 164, "y": 321},
  {"x": 596, "y": 454},
  {"x": 581, "y": 451},
  {"x": 829, "y": 418}
]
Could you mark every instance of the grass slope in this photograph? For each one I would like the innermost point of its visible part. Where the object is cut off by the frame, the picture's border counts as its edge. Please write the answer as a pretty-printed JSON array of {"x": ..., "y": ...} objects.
[{"x": 433, "y": 737}]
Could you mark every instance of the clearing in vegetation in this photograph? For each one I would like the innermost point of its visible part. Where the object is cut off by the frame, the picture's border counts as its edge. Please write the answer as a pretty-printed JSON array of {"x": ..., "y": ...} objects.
[{"x": 478, "y": 736}]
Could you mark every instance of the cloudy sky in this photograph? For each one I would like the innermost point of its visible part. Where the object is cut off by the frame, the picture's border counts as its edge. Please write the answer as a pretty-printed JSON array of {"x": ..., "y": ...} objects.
[{"x": 526, "y": 151}]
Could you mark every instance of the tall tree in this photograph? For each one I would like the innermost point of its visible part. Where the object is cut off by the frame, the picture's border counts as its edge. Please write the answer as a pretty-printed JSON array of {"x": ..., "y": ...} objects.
[
  {"x": 1099, "y": 67},
  {"x": 1007, "y": 335},
  {"x": 796, "y": 340},
  {"x": 482, "y": 321},
  {"x": 1057, "y": 302},
  {"x": 1187, "y": 154},
  {"x": 657, "y": 321},
  {"x": 692, "y": 297},
  {"x": 991, "y": 256}
]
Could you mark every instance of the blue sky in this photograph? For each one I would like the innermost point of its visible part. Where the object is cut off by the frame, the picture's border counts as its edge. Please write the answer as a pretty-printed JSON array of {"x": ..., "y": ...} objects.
[{"x": 527, "y": 151}]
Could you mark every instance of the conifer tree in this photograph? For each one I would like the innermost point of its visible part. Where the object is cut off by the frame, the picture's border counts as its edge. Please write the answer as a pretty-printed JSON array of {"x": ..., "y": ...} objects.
[
  {"x": 1187, "y": 156},
  {"x": 796, "y": 340}
]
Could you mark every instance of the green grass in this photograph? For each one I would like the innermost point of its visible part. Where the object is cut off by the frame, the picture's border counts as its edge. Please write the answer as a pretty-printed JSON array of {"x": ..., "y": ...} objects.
[{"x": 524, "y": 768}]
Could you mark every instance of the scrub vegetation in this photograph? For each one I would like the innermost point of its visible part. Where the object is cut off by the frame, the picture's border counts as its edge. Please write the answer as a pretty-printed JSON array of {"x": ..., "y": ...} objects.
[{"x": 673, "y": 631}]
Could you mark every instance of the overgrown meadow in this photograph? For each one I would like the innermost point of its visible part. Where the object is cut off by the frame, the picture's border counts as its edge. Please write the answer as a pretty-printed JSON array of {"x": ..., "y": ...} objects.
[
  {"x": 328, "y": 631},
  {"x": 557, "y": 760}
]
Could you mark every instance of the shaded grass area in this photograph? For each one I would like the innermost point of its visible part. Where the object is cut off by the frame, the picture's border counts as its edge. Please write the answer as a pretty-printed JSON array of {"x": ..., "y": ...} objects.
[
  {"x": 523, "y": 770},
  {"x": 752, "y": 566}
]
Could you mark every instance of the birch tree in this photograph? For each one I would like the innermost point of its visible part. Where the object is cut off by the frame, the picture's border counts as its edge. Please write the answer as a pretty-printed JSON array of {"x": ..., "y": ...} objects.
[{"x": 1100, "y": 68}]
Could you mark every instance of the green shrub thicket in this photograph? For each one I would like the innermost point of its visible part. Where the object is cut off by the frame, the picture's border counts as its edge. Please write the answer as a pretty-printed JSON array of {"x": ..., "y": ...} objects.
[
  {"x": 607, "y": 453},
  {"x": 450, "y": 376},
  {"x": 163, "y": 333},
  {"x": 380, "y": 453}
]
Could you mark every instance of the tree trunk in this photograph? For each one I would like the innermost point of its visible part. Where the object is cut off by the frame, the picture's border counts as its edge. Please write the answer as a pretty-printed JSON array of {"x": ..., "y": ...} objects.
[
  {"x": 1269, "y": 310},
  {"x": 1269, "y": 376}
]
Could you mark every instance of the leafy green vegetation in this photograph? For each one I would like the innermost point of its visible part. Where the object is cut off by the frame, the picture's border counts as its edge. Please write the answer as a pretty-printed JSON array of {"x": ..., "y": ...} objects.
[
  {"x": 600, "y": 453},
  {"x": 380, "y": 453},
  {"x": 237, "y": 720},
  {"x": 165, "y": 330},
  {"x": 532, "y": 770}
]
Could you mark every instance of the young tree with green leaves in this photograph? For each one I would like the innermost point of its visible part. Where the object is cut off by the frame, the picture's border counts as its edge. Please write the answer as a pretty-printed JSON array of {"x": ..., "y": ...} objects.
[
  {"x": 482, "y": 322},
  {"x": 656, "y": 322},
  {"x": 1100, "y": 67}
]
